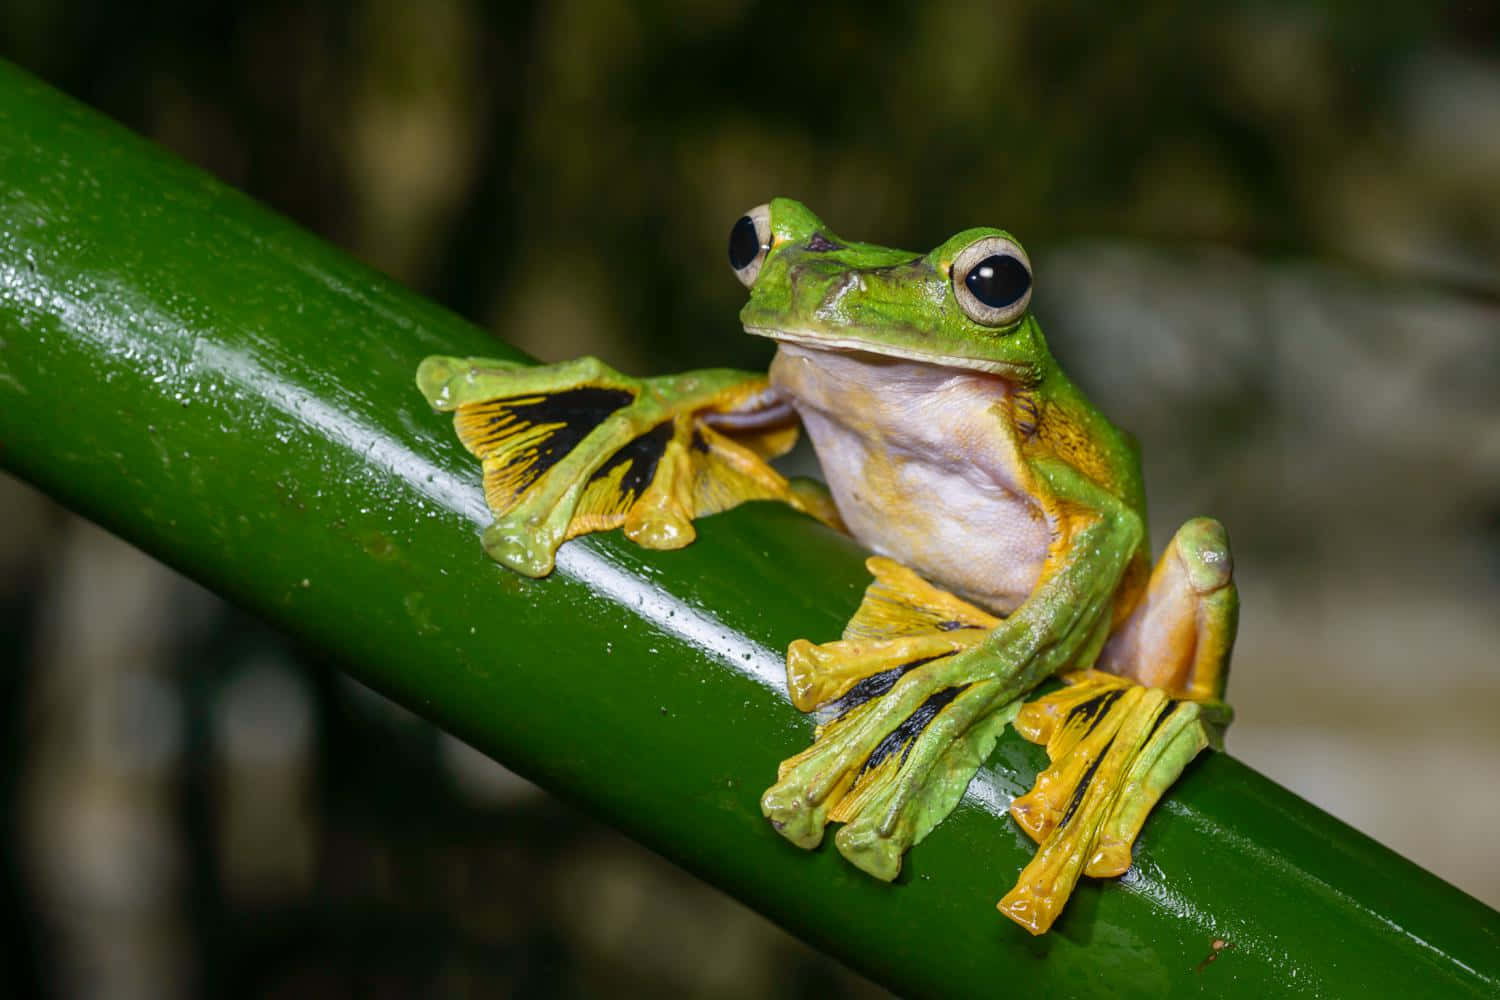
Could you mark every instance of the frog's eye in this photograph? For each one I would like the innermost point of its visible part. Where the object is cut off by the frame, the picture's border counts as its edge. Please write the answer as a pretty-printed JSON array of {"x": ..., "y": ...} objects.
[
  {"x": 749, "y": 239},
  {"x": 992, "y": 281}
]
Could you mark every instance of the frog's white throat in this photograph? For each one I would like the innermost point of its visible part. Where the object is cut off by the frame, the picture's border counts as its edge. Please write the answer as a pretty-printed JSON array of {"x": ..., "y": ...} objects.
[{"x": 921, "y": 466}]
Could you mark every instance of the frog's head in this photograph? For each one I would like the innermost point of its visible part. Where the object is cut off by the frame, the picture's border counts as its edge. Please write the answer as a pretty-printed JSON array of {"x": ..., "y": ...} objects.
[{"x": 963, "y": 305}]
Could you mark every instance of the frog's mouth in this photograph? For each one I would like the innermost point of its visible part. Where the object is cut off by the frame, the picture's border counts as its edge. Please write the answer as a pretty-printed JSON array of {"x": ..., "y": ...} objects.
[{"x": 1010, "y": 370}]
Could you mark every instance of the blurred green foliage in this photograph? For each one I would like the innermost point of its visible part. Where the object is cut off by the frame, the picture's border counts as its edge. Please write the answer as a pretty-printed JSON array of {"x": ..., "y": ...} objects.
[{"x": 567, "y": 171}]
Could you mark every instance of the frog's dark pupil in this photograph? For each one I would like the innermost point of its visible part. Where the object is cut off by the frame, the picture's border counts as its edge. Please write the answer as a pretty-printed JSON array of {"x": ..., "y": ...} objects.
[
  {"x": 999, "y": 280},
  {"x": 744, "y": 243}
]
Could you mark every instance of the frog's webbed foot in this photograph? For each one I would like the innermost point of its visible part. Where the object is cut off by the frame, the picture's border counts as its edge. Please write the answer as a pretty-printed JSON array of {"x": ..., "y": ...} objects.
[
  {"x": 1117, "y": 743},
  {"x": 577, "y": 447},
  {"x": 1115, "y": 747},
  {"x": 909, "y": 721}
]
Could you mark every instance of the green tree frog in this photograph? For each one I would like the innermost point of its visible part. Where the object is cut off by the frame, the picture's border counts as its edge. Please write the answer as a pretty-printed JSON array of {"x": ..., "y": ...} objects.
[{"x": 1007, "y": 518}]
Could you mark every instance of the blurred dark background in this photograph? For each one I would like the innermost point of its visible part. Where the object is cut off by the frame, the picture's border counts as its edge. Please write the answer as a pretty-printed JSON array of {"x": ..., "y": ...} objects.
[{"x": 1267, "y": 239}]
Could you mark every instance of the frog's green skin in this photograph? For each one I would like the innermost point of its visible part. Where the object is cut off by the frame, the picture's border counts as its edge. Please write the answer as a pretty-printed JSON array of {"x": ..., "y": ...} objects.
[{"x": 1007, "y": 513}]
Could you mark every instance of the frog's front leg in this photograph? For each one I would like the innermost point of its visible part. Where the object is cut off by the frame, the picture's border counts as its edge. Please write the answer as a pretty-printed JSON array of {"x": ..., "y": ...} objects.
[
  {"x": 577, "y": 447},
  {"x": 892, "y": 765},
  {"x": 1118, "y": 740}
]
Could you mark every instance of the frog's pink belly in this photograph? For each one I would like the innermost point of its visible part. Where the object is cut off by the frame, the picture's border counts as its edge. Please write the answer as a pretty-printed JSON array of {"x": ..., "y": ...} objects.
[{"x": 915, "y": 473}]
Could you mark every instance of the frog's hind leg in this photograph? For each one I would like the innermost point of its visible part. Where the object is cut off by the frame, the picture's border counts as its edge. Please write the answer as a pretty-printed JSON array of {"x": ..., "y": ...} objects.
[
  {"x": 1120, "y": 735},
  {"x": 577, "y": 447},
  {"x": 1179, "y": 636},
  {"x": 892, "y": 784}
]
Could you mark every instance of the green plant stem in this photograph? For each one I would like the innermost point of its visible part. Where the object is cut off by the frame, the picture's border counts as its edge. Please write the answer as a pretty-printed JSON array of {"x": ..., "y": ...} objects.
[{"x": 235, "y": 397}]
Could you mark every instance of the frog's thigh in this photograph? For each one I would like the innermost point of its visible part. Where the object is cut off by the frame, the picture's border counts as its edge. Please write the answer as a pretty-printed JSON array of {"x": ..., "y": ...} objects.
[{"x": 1179, "y": 636}]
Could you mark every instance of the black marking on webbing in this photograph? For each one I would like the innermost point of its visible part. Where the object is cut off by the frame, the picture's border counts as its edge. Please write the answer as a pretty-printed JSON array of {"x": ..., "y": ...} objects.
[
  {"x": 1094, "y": 709},
  {"x": 1083, "y": 785},
  {"x": 905, "y": 735},
  {"x": 698, "y": 442},
  {"x": 642, "y": 453},
  {"x": 1161, "y": 716},
  {"x": 822, "y": 244},
  {"x": 954, "y": 626},
  {"x": 578, "y": 411},
  {"x": 876, "y": 685}
]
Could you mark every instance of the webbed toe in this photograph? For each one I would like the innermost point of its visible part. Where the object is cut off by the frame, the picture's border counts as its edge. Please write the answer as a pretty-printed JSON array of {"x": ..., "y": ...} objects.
[
  {"x": 577, "y": 447},
  {"x": 1115, "y": 747},
  {"x": 909, "y": 717}
]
